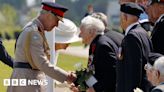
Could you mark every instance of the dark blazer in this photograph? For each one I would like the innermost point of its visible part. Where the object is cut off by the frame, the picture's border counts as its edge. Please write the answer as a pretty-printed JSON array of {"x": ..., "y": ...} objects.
[
  {"x": 116, "y": 37},
  {"x": 4, "y": 56},
  {"x": 135, "y": 48},
  {"x": 102, "y": 57},
  {"x": 158, "y": 36},
  {"x": 159, "y": 88}
]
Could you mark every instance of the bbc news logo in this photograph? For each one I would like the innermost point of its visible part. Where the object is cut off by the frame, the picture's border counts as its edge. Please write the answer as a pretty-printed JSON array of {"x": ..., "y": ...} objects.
[{"x": 24, "y": 82}]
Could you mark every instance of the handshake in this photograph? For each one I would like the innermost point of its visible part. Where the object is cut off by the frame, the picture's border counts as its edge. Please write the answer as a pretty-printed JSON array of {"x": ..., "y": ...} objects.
[{"x": 84, "y": 80}]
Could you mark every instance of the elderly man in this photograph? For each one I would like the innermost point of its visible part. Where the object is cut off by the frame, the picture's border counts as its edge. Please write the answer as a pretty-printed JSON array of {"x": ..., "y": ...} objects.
[
  {"x": 156, "y": 74},
  {"x": 32, "y": 51},
  {"x": 133, "y": 53},
  {"x": 4, "y": 56},
  {"x": 102, "y": 55},
  {"x": 155, "y": 10}
]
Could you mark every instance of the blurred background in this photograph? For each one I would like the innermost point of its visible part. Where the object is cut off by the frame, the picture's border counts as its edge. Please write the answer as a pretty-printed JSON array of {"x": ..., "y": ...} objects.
[{"x": 14, "y": 14}]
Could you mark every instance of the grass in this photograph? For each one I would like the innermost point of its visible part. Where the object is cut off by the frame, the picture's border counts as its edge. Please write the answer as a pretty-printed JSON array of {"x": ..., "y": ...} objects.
[
  {"x": 76, "y": 44},
  {"x": 66, "y": 62}
]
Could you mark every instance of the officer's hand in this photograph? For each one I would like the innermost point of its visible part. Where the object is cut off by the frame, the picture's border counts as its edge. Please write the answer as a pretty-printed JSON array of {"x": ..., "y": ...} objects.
[
  {"x": 91, "y": 89},
  {"x": 71, "y": 77}
]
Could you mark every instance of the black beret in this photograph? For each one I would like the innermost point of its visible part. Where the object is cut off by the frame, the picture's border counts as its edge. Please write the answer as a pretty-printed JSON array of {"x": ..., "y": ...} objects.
[
  {"x": 132, "y": 9},
  {"x": 155, "y": 1},
  {"x": 54, "y": 8}
]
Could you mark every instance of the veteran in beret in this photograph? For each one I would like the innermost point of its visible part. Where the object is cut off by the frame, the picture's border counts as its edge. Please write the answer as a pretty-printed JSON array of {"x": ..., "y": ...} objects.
[
  {"x": 155, "y": 9},
  {"x": 134, "y": 51},
  {"x": 32, "y": 51}
]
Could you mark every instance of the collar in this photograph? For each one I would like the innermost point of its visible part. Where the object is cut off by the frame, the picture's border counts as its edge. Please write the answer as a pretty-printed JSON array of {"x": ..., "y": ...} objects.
[
  {"x": 39, "y": 24},
  {"x": 159, "y": 19},
  {"x": 130, "y": 27},
  {"x": 95, "y": 39}
]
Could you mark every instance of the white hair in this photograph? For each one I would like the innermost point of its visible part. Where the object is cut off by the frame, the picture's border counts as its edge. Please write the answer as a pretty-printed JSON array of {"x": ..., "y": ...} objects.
[
  {"x": 159, "y": 65},
  {"x": 90, "y": 22}
]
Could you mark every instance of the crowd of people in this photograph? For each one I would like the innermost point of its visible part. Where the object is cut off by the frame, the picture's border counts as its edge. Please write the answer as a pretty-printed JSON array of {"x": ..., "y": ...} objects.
[{"x": 122, "y": 62}]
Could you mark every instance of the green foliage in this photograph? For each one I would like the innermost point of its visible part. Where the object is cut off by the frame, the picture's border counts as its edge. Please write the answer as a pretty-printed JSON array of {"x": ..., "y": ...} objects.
[
  {"x": 78, "y": 8},
  {"x": 18, "y": 4},
  {"x": 9, "y": 22}
]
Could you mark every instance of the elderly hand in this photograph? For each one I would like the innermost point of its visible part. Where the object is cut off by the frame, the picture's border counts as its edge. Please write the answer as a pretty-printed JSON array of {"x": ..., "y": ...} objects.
[
  {"x": 71, "y": 78},
  {"x": 73, "y": 88},
  {"x": 91, "y": 89}
]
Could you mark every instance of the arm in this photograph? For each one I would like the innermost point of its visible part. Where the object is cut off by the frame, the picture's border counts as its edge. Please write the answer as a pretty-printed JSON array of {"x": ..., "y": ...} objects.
[
  {"x": 133, "y": 63},
  {"x": 41, "y": 61},
  {"x": 4, "y": 56}
]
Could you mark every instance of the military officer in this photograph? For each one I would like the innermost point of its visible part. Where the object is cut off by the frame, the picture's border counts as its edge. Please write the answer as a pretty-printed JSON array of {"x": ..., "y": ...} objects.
[
  {"x": 156, "y": 13},
  {"x": 32, "y": 51},
  {"x": 4, "y": 56},
  {"x": 134, "y": 51}
]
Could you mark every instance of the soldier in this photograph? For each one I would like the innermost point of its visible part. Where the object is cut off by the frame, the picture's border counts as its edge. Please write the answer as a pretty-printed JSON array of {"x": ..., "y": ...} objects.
[
  {"x": 134, "y": 51},
  {"x": 32, "y": 51},
  {"x": 156, "y": 13},
  {"x": 4, "y": 56}
]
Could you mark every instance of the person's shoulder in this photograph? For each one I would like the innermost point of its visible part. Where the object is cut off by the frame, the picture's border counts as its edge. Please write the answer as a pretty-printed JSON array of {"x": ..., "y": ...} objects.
[
  {"x": 138, "y": 32},
  {"x": 112, "y": 32},
  {"x": 105, "y": 41},
  {"x": 31, "y": 26}
]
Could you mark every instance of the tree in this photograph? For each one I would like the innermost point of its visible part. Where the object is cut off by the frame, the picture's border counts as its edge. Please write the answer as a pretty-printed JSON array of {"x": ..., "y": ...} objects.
[{"x": 10, "y": 19}]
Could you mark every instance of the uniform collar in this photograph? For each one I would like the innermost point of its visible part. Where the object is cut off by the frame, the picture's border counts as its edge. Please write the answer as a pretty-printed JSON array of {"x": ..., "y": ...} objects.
[
  {"x": 95, "y": 39},
  {"x": 130, "y": 27},
  {"x": 159, "y": 19},
  {"x": 39, "y": 25}
]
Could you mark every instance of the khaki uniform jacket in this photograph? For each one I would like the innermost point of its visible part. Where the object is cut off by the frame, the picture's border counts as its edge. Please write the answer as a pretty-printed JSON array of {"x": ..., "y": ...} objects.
[{"x": 37, "y": 51}]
